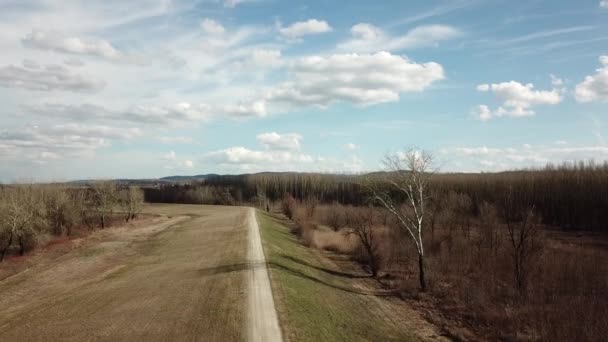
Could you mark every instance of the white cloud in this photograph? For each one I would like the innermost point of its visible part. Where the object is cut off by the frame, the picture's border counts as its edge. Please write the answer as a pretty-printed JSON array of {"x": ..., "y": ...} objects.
[
  {"x": 51, "y": 77},
  {"x": 556, "y": 81},
  {"x": 351, "y": 146},
  {"x": 483, "y": 113},
  {"x": 303, "y": 28},
  {"x": 245, "y": 110},
  {"x": 594, "y": 87},
  {"x": 266, "y": 57},
  {"x": 504, "y": 158},
  {"x": 369, "y": 38},
  {"x": 188, "y": 164},
  {"x": 362, "y": 79},
  {"x": 242, "y": 155},
  {"x": 30, "y": 64},
  {"x": 232, "y": 3},
  {"x": 211, "y": 26},
  {"x": 54, "y": 41},
  {"x": 604, "y": 4},
  {"x": 517, "y": 99},
  {"x": 176, "y": 140},
  {"x": 178, "y": 113},
  {"x": 59, "y": 141},
  {"x": 275, "y": 141},
  {"x": 74, "y": 62}
]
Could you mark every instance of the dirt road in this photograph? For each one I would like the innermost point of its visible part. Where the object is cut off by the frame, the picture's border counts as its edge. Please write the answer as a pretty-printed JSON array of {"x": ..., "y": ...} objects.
[
  {"x": 179, "y": 278},
  {"x": 264, "y": 324}
]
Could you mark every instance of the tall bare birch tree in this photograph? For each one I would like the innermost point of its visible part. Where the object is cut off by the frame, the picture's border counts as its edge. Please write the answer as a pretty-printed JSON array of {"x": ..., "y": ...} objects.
[{"x": 403, "y": 190}]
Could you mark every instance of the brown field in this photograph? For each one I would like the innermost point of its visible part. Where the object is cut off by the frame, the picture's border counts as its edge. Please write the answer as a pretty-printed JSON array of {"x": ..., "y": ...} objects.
[{"x": 168, "y": 278}]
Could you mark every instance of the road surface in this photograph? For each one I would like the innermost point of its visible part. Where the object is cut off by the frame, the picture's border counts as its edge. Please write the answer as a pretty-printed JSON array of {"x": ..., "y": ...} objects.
[{"x": 197, "y": 274}]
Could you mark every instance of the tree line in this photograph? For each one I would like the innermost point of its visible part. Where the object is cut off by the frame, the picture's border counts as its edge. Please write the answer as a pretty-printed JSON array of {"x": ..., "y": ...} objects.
[
  {"x": 570, "y": 196},
  {"x": 29, "y": 212}
]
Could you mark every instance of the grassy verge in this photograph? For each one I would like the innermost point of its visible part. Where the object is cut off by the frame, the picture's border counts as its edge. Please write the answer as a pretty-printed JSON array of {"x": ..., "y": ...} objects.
[{"x": 316, "y": 303}]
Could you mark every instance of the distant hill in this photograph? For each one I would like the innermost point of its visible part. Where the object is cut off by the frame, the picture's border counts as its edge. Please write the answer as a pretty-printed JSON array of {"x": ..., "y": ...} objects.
[{"x": 188, "y": 178}]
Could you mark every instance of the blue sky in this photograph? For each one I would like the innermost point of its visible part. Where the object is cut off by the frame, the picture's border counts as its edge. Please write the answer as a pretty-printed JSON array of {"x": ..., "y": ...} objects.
[{"x": 98, "y": 89}]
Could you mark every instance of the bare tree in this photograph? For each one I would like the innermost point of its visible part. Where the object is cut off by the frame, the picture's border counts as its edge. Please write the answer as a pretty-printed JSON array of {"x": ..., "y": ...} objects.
[
  {"x": 403, "y": 191},
  {"x": 334, "y": 216},
  {"x": 522, "y": 226},
  {"x": 20, "y": 214},
  {"x": 60, "y": 211},
  {"x": 132, "y": 202},
  {"x": 104, "y": 199},
  {"x": 362, "y": 226}
]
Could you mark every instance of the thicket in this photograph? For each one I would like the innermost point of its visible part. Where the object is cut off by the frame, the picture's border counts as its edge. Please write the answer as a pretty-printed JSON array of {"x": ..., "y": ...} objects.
[
  {"x": 498, "y": 273},
  {"x": 32, "y": 214}
]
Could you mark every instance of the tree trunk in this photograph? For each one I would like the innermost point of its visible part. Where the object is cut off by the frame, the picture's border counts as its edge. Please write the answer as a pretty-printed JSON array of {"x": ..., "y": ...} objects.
[
  {"x": 372, "y": 261},
  {"x": 10, "y": 241},
  {"x": 21, "y": 247},
  {"x": 103, "y": 221},
  {"x": 421, "y": 272}
]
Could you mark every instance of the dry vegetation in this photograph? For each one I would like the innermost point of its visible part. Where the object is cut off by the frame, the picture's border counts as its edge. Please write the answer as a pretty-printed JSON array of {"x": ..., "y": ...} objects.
[
  {"x": 33, "y": 215},
  {"x": 513, "y": 256},
  {"x": 508, "y": 256}
]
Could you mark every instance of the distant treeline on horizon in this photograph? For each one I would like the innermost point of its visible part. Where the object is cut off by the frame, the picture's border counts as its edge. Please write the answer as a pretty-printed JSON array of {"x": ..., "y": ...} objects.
[{"x": 571, "y": 196}]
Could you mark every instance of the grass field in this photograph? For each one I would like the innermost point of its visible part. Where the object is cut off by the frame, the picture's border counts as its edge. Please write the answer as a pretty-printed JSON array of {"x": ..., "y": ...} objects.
[{"x": 318, "y": 302}]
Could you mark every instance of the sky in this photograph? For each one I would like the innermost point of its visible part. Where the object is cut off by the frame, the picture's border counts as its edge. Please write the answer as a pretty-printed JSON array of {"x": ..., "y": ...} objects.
[{"x": 151, "y": 88}]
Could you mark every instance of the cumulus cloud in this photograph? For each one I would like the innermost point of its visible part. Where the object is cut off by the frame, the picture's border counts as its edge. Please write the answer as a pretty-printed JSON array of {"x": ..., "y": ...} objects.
[
  {"x": 245, "y": 156},
  {"x": 276, "y": 141},
  {"x": 369, "y": 38},
  {"x": 517, "y": 99},
  {"x": 211, "y": 26},
  {"x": 303, "y": 28},
  {"x": 594, "y": 87},
  {"x": 483, "y": 112},
  {"x": 48, "y": 78},
  {"x": 280, "y": 150},
  {"x": 53, "y": 41},
  {"x": 362, "y": 79}
]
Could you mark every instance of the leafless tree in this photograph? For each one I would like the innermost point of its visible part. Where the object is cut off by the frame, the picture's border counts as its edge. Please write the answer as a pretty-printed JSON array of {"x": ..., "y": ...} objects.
[
  {"x": 310, "y": 205},
  {"x": 20, "y": 213},
  {"x": 362, "y": 226},
  {"x": 524, "y": 235},
  {"x": 334, "y": 216},
  {"x": 403, "y": 191},
  {"x": 104, "y": 199},
  {"x": 60, "y": 210},
  {"x": 132, "y": 202}
]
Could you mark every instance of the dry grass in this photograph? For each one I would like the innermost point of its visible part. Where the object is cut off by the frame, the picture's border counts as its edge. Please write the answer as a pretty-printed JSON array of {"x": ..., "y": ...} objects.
[{"x": 179, "y": 278}]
